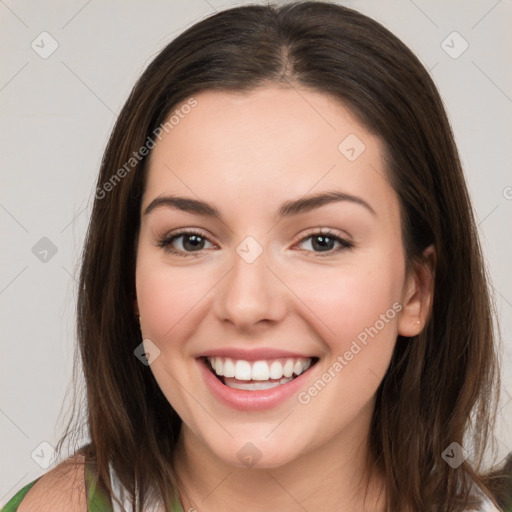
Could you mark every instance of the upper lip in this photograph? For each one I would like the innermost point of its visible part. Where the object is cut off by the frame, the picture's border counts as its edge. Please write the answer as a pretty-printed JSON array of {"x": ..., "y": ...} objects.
[{"x": 255, "y": 354}]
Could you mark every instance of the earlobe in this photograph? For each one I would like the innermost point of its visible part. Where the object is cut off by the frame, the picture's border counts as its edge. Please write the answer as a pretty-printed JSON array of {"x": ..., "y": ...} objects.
[{"x": 418, "y": 295}]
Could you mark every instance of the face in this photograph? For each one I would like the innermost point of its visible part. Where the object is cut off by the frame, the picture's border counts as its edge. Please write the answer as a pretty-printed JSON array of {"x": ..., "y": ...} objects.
[{"x": 295, "y": 302}]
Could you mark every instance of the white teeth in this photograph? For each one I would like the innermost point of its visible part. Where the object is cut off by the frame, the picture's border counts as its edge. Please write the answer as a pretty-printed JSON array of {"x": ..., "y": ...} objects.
[
  {"x": 260, "y": 371},
  {"x": 252, "y": 386},
  {"x": 242, "y": 370},
  {"x": 218, "y": 366},
  {"x": 277, "y": 369},
  {"x": 288, "y": 368},
  {"x": 228, "y": 368}
]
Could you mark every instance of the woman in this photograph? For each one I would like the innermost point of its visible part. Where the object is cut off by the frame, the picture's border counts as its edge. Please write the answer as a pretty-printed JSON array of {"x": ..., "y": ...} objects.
[{"x": 282, "y": 302}]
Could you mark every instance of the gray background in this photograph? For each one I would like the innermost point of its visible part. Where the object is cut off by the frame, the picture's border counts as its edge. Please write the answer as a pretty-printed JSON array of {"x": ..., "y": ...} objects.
[{"x": 58, "y": 111}]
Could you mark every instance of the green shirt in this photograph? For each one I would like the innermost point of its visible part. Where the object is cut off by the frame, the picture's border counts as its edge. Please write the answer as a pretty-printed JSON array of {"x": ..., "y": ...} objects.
[{"x": 97, "y": 500}]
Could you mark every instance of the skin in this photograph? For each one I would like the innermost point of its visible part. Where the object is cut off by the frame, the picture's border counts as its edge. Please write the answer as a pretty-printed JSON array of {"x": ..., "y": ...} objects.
[{"x": 246, "y": 154}]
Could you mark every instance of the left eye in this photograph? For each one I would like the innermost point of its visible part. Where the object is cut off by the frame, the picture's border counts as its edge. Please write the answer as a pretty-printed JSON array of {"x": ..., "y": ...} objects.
[{"x": 323, "y": 242}]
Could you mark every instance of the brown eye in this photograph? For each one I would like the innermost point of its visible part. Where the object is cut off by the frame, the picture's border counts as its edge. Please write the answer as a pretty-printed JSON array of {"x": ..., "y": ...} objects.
[
  {"x": 325, "y": 242},
  {"x": 191, "y": 242},
  {"x": 322, "y": 243},
  {"x": 183, "y": 243}
]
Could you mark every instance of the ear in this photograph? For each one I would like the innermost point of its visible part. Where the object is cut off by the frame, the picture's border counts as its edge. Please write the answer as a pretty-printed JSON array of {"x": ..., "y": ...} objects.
[{"x": 418, "y": 294}]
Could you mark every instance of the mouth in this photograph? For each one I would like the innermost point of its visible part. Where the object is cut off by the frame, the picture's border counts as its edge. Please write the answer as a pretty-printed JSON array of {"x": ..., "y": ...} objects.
[{"x": 258, "y": 375}]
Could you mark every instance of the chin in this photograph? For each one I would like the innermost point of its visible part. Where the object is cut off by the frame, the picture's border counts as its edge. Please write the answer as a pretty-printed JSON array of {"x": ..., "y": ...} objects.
[{"x": 256, "y": 452}]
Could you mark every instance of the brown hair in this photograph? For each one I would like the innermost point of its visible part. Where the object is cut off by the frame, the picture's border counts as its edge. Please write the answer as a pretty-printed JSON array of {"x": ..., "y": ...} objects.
[{"x": 441, "y": 387}]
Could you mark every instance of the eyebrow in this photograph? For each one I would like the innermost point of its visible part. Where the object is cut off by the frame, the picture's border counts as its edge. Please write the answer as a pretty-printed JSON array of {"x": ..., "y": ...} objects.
[{"x": 287, "y": 209}]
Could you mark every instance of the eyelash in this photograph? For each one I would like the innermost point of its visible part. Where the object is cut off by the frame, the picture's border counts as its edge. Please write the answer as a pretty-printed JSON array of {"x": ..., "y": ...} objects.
[{"x": 166, "y": 241}]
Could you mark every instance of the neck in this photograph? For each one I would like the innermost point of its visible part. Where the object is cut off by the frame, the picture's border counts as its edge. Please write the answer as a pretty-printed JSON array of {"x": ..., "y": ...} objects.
[{"x": 332, "y": 477}]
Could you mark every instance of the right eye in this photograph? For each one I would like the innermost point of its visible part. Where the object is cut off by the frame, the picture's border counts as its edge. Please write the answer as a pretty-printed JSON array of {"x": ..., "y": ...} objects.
[{"x": 191, "y": 242}]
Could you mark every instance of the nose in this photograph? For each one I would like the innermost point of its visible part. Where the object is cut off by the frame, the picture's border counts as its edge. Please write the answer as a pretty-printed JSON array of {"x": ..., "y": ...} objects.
[{"x": 251, "y": 295}]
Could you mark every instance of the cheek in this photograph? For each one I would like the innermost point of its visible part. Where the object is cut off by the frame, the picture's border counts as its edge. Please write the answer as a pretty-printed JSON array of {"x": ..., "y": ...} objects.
[
  {"x": 348, "y": 301},
  {"x": 357, "y": 308},
  {"x": 171, "y": 302},
  {"x": 170, "y": 298},
  {"x": 358, "y": 314}
]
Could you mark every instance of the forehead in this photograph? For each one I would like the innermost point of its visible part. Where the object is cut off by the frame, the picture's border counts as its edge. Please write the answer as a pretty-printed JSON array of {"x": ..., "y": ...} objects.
[{"x": 259, "y": 146}]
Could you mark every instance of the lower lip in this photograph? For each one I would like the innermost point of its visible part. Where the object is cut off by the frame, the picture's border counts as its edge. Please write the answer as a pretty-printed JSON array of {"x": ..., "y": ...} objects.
[{"x": 244, "y": 400}]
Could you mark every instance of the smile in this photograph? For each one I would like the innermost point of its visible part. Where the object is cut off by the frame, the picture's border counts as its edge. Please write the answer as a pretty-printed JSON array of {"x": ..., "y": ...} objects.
[{"x": 258, "y": 375}]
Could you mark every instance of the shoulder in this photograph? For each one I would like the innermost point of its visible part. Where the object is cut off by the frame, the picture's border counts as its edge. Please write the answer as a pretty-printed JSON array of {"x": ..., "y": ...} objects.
[
  {"x": 498, "y": 482},
  {"x": 63, "y": 489}
]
